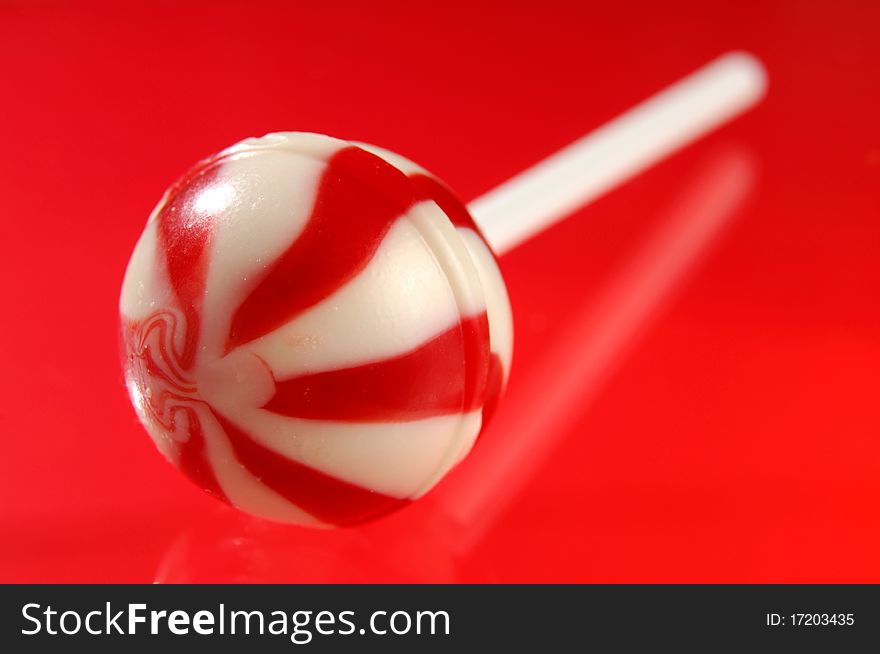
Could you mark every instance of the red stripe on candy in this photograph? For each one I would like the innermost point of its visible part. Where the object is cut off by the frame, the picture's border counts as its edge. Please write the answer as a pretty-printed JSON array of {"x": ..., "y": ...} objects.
[
  {"x": 184, "y": 231},
  {"x": 163, "y": 393},
  {"x": 327, "y": 498},
  {"x": 429, "y": 188},
  {"x": 194, "y": 456},
  {"x": 494, "y": 384},
  {"x": 360, "y": 196},
  {"x": 445, "y": 375}
]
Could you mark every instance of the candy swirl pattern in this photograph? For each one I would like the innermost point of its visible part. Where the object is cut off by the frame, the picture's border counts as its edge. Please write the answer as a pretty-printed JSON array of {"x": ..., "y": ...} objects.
[{"x": 313, "y": 330}]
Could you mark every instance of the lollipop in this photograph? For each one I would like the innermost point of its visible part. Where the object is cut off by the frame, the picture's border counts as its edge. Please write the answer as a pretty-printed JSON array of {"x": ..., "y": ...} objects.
[{"x": 316, "y": 331}]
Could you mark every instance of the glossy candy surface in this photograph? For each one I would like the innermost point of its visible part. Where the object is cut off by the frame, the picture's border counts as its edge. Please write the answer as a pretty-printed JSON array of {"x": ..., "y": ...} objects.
[{"x": 313, "y": 330}]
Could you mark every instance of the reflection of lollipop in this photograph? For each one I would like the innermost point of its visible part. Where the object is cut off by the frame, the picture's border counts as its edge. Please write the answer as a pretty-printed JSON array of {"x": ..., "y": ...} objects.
[{"x": 316, "y": 330}]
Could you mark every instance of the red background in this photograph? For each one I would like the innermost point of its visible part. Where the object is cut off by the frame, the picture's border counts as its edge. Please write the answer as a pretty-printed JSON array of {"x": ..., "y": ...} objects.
[{"x": 736, "y": 438}]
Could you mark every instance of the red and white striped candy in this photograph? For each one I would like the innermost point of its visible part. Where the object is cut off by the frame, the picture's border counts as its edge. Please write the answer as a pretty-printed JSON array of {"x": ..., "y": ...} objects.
[{"x": 313, "y": 330}]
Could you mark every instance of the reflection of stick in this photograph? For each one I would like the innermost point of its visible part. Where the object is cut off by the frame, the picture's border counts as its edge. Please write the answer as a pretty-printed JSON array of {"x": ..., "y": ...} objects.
[
  {"x": 579, "y": 173},
  {"x": 536, "y": 411}
]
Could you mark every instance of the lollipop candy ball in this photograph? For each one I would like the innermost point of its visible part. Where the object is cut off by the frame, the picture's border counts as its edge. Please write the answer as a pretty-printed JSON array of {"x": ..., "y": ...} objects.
[{"x": 313, "y": 330}]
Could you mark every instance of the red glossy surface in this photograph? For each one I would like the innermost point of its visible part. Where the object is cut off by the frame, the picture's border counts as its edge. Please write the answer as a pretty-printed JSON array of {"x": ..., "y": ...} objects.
[{"x": 732, "y": 433}]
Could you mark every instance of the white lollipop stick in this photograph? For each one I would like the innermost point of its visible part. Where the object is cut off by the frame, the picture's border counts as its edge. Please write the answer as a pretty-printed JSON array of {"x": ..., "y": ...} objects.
[{"x": 581, "y": 172}]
